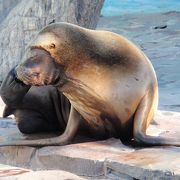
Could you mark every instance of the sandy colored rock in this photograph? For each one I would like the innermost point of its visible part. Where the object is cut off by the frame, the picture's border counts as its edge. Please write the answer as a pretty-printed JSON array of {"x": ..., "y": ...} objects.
[
  {"x": 44, "y": 175},
  {"x": 6, "y": 171},
  {"x": 85, "y": 159},
  {"x": 105, "y": 158},
  {"x": 146, "y": 163}
]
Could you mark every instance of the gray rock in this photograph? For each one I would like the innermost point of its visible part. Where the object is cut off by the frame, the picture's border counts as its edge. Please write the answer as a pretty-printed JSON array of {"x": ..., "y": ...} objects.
[
  {"x": 97, "y": 159},
  {"x": 28, "y": 17},
  {"x": 6, "y": 6},
  {"x": 85, "y": 159},
  {"x": 15, "y": 173},
  {"x": 147, "y": 163}
]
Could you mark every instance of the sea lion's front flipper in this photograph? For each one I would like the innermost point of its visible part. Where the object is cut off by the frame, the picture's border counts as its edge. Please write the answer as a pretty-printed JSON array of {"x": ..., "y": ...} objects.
[{"x": 65, "y": 138}]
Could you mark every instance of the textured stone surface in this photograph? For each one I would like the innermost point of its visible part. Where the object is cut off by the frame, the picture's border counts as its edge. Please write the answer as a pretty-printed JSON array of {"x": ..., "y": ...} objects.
[
  {"x": 17, "y": 156},
  {"x": 109, "y": 158},
  {"x": 6, "y": 171},
  {"x": 85, "y": 159},
  {"x": 27, "y": 17},
  {"x": 15, "y": 173},
  {"x": 6, "y": 6},
  {"x": 149, "y": 163}
]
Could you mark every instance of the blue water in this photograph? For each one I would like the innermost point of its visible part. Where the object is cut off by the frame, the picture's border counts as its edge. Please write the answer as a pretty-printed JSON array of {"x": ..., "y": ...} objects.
[{"x": 119, "y": 7}]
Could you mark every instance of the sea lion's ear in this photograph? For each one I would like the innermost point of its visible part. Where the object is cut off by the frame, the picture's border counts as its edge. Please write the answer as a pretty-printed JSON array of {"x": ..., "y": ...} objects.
[{"x": 52, "y": 46}]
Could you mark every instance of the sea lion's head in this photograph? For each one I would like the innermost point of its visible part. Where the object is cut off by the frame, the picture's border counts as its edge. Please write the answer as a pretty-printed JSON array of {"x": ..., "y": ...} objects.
[
  {"x": 57, "y": 52},
  {"x": 39, "y": 69},
  {"x": 42, "y": 61}
]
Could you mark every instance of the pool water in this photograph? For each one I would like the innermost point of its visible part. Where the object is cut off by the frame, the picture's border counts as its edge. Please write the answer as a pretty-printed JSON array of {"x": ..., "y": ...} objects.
[{"x": 119, "y": 7}]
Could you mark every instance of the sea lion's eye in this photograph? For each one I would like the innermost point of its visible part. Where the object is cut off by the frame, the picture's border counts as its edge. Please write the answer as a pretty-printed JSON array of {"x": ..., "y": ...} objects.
[{"x": 52, "y": 46}]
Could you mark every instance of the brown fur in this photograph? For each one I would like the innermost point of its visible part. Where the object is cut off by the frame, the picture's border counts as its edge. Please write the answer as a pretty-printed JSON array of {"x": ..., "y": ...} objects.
[{"x": 110, "y": 83}]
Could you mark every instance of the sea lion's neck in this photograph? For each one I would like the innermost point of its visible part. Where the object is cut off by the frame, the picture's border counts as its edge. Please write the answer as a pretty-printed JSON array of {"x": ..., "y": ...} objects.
[
  {"x": 69, "y": 83},
  {"x": 85, "y": 82}
]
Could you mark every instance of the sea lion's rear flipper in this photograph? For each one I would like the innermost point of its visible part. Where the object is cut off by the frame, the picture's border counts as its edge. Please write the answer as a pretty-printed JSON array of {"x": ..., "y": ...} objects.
[{"x": 142, "y": 119}]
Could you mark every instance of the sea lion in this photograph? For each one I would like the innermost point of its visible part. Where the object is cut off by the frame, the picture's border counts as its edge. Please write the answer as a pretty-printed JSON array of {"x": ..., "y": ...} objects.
[{"x": 109, "y": 82}]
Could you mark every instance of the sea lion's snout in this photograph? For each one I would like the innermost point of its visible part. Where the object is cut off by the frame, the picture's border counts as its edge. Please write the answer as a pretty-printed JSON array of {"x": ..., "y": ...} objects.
[{"x": 27, "y": 75}]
